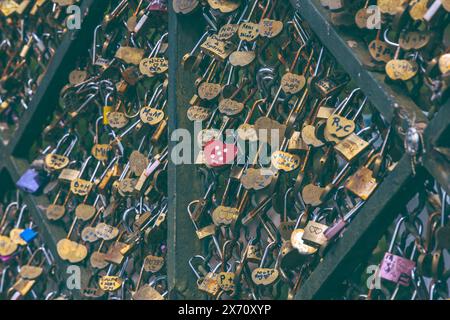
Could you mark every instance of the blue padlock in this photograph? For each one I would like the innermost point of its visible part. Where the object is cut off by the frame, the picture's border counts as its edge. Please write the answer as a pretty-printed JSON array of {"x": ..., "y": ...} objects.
[
  {"x": 32, "y": 181},
  {"x": 28, "y": 235}
]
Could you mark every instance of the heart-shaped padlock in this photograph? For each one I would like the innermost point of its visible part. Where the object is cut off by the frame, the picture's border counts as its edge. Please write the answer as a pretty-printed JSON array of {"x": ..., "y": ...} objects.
[{"x": 218, "y": 153}]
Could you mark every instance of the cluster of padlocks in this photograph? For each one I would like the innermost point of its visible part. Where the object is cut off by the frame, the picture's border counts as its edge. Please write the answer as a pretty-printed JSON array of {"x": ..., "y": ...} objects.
[
  {"x": 102, "y": 161},
  {"x": 290, "y": 151},
  {"x": 31, "y": 31}
]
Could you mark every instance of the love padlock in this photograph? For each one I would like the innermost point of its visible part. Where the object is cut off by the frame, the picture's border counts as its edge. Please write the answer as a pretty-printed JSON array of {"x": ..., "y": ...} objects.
[
  {"x": 32, "y": 180},
  {"x": 218, "y": 154},
  {"x": 28, "y": 235},
  {"x": 395, "y": 268}
]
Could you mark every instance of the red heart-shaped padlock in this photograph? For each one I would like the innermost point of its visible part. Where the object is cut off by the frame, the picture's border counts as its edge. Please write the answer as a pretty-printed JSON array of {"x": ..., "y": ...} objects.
[{"x": 218, "y": 154}]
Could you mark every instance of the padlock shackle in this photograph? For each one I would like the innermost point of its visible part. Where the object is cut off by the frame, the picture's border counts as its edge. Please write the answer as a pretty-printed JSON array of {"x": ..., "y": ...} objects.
[
  {"x": 158, "y": 45},
  {"x": 109, "y": 166},
  {"x": 266, "y": 252},
  {"x": 443, "y": 206},
  {"x": 345, "y": 102},
  {"x": 19, "y": 219},
  {"x": 33, "y": 256},
  {"x": 288, "y": 191},
  {"x": 7, "y": 210},
  {"x": 395, "y": 234},
  {"x": 94, "y": 44},
  {"x": 141, "y": 272},
  {"x": 158, "y": 279},
  {"x": 192, "y": 266},
  {"x": 3, "y": 277}
]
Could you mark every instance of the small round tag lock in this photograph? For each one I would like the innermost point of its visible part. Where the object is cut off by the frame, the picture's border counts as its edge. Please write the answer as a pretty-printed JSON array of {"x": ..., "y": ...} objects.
[
  {"x": 151, "y": 115},
  {"x": 381, "y": 51},
  {"x": 138, "y": 162},
  {"x": 80, "y": 186},
  {"x": 197, "y": 113},
  {"x": 230, "y": 107},
  {"x": 55, "y": 212},
  {"x": 223, "y": 215},
  {"x": 248, "y": 31},
  {"x": 270, "y": 28},
  {"x": 97, "y": 260},
  {"x": 227, "y": 31},
  {"x": 256, "y": 179},
  {"x": 100, "y": 151},
  {"x": 242, "y": 58},
  {"x": 88, "y": 234},
  {"x": 285, "y": 161},
  {"x": 264, "y": 276},
  {"x": 390, "y": 7},
  {"x": 154, "y": 65},
  {"x": 30, "y": 271},
  {"x": 410, "y": 40},
  {"x": 398, "y": 69},
  {"x": 340, "y": 126},
  {"x": 55, "y": 161},
  {"x": 71, "y": 250},
  {"x": 309, "y": 137},
  {"x": 292, "y": 83},
  {"x": 117, "y": 119},
  {"x": 418, "y": 9},
  {"x": 312, "y": 195},
  {"x": 84, "y": 211},
  {"x": 105, "y": 231},
  {"x": 153, "y": 263},
  {"x": 209, "y": 91},
  {"x": 110, "y": 283}
]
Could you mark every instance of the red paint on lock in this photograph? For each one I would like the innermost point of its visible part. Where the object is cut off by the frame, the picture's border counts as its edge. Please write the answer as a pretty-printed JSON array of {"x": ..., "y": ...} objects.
[{"x": 218, "y": 154}]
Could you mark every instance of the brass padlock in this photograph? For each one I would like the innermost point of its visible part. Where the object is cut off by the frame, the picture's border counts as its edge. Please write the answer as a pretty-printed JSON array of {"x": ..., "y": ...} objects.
[{"x": 23, "y": 286}]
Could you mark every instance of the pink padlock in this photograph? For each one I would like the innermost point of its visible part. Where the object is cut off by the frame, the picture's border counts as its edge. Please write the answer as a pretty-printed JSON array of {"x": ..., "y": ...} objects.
[
  {"x": 396, "y": 268},
  {"x": 336, "y": 228},
  {"x": 5, "y": 258},
  {"x": 158, "y": 5},
  {"x": 218, "y": 153}
]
